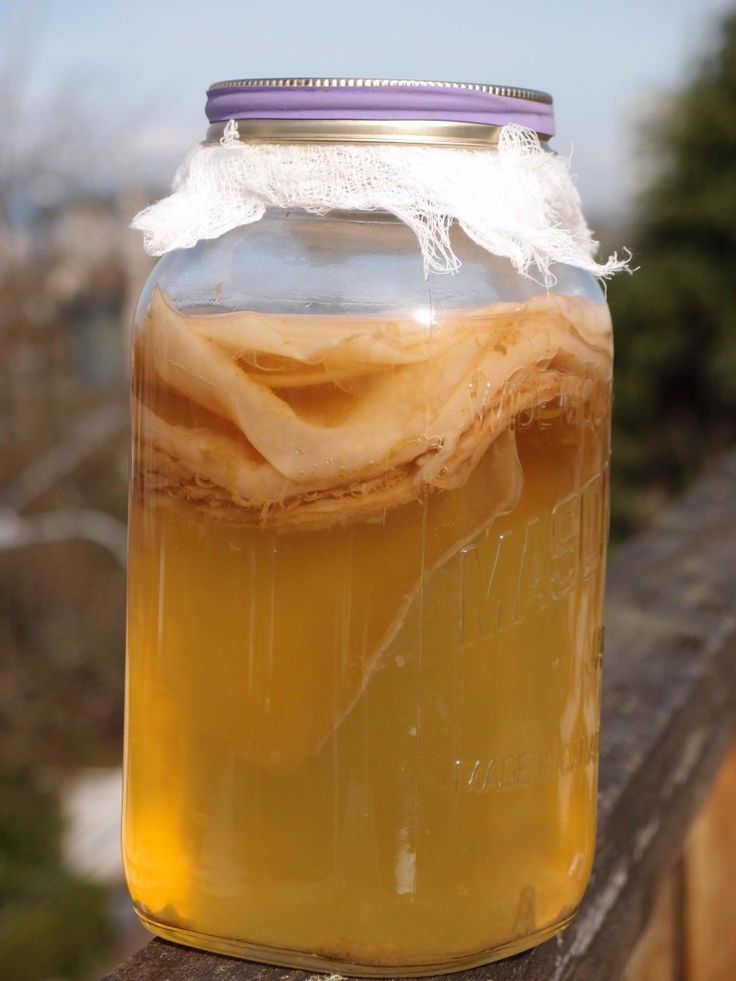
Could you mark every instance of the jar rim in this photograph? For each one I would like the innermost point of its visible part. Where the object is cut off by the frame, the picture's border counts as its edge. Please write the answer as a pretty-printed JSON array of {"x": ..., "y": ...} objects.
[
  {"x": 419, "y": 132},
  {"x": 375, "y": 110}
]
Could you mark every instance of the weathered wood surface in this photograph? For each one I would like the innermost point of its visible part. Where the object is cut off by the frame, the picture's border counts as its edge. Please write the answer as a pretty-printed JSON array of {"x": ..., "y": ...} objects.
[
  {"x": 658, "y": 954},
  {"x": 669, "y": 712},
  {"x": 709, "y": 884}
]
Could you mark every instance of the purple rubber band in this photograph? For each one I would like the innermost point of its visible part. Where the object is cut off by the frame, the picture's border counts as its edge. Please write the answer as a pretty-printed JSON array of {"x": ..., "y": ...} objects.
[{"x": 373, "y": 102}]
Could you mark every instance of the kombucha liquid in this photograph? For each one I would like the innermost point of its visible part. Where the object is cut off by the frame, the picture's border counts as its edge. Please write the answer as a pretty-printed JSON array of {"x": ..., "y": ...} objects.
[{"x": 370, "y": 744}]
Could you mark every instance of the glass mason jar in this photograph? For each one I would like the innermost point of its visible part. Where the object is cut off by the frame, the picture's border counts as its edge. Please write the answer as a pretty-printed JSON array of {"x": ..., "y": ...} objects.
[{"x": 367, "y": 538}]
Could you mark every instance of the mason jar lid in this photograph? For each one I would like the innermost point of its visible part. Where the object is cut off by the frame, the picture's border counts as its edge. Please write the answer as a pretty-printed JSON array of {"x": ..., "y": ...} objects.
[{"x": 374, "y": 110}]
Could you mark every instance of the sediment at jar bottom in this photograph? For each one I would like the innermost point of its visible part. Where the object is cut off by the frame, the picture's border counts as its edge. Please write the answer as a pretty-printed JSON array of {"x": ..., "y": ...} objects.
[
  {"x": 351, "y": 966},
  {"x": 300, "y": 422}
]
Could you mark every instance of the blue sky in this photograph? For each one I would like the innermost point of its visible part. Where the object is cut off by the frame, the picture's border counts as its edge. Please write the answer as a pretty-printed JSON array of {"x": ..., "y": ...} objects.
[{"x": 146, "y": 63}]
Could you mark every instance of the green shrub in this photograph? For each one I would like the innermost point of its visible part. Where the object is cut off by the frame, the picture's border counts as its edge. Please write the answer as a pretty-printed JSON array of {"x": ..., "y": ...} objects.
[
  {"x": 676, "y": 317},
  {"x": 51, "y": 925}
]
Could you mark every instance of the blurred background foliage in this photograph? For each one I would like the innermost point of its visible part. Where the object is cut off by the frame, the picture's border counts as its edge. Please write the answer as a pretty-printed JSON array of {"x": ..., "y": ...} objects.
[
  {"x": 63, "y": 472},
  {"x": 675, "y": 390},
  {"x": 69, "y": 275}
]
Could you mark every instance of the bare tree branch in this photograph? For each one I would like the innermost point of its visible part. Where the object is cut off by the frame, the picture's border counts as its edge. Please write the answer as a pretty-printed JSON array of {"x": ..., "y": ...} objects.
[
  {"x": 65, "y": 525},
  {"x": 62, "y": 459}
]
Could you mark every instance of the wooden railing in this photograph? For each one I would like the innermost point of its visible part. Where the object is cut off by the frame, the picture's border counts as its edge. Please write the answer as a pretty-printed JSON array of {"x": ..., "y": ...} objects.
[{"x": 669, "y": 716}]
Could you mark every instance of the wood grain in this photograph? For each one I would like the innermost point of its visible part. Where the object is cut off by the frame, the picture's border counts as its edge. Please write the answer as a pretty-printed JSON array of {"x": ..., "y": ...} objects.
[
  {"x": 656, "y": 956},
  {"x": 710, "y": 883}
]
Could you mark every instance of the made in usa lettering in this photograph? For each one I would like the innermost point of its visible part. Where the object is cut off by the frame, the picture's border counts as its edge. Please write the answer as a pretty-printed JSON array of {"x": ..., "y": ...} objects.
[{"x": 507, "y": 574}]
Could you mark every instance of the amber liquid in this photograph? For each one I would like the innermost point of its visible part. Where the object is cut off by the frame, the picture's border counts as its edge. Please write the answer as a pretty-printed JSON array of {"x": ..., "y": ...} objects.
[{"x": 373, "y": 747}]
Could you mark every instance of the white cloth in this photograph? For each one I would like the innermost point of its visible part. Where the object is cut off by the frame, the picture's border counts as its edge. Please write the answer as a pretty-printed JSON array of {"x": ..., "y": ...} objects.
[{"x": 518, "y": 200}]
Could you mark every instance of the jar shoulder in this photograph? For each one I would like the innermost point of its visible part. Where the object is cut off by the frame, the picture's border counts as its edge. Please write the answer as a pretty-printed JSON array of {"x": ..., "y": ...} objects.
[{"x": 294, "y": 262}]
